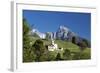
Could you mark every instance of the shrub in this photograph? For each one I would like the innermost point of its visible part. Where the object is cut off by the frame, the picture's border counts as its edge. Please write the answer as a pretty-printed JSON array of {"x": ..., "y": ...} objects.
[
  {"x": 67, "y": 54},
  {"x": 58, "y": 57},
  {"x": 40, "y": 49},
  {"x": 28, "y": 55},
  {"x": 74, "y": 40}
]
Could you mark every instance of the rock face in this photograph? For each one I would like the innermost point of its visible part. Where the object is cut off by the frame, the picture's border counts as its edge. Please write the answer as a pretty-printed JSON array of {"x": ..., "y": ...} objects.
[{"x": 63, "y": 33}]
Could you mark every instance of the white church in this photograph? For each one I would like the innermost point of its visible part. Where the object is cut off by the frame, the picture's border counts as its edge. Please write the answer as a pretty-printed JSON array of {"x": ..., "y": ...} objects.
[{"x": 54, "y": 46}]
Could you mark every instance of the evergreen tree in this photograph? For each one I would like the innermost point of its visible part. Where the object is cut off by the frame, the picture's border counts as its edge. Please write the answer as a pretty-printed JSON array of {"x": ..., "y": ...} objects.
[
  {"x": 58, "y": 57},
  {"x": 67, "y": 54},
  {"x": 40, "y": 49},
  {"x": 28, "y": 53},
  {"x": 74, "y": 40}
]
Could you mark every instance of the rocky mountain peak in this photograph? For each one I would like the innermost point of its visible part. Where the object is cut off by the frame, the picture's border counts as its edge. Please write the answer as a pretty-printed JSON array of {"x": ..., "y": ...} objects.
[{"x": 63, "y": 28}]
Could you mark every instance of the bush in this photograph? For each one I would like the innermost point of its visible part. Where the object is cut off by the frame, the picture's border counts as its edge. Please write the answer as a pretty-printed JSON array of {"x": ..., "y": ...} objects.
[
  {"x": 67, "y": 54},
  {"x": 51, "y": 55},
  {"x": 74, "y": 40},
  {"x": 82, "y": 45},
  {"x": 28, "y": 55},
  {"x": 58, "y": 57},
  {"x": 39, "y": 50},
  {"x": 43, "y": 57}
]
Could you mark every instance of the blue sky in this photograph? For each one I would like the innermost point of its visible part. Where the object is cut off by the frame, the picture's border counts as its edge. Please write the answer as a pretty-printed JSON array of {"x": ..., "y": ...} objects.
[{"x": 49, "y": 21}]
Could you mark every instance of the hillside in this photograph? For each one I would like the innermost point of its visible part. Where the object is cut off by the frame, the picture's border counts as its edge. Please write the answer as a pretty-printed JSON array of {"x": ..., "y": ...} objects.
[{"x": 73, "y": 48}]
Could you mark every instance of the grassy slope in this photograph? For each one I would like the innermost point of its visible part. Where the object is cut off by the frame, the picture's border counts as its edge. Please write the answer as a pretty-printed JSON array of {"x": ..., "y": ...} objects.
[
  {"x": 86, "y": 54},
  {"x": 66, "y": 45},
  {"x": 62, "y": 44}
]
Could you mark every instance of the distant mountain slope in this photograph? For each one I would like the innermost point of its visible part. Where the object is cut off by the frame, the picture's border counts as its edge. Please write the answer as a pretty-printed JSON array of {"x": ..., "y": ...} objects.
[
  {"x": 40, "y": 34},
  {"x": 63, "y": 33}
]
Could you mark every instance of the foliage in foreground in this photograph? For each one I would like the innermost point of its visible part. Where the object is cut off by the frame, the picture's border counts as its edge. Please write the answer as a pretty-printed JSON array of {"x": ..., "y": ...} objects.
[{"x": 40, "y": 53}]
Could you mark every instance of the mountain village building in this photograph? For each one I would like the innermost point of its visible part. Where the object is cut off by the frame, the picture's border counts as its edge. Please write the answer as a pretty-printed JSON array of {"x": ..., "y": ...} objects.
[{"x": 54, "y": 46}]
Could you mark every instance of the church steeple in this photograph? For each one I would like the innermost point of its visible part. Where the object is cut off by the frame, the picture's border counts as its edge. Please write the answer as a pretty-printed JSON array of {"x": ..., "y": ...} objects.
[{"x": 52, "y": 41}]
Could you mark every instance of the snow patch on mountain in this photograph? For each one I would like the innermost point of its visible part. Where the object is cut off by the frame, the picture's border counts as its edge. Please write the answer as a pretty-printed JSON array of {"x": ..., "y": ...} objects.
[{"x": 41, "y": 35}]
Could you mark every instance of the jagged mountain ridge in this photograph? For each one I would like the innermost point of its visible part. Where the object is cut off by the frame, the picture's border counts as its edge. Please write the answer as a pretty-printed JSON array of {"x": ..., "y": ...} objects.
[{"x": 63, "y": 33}]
